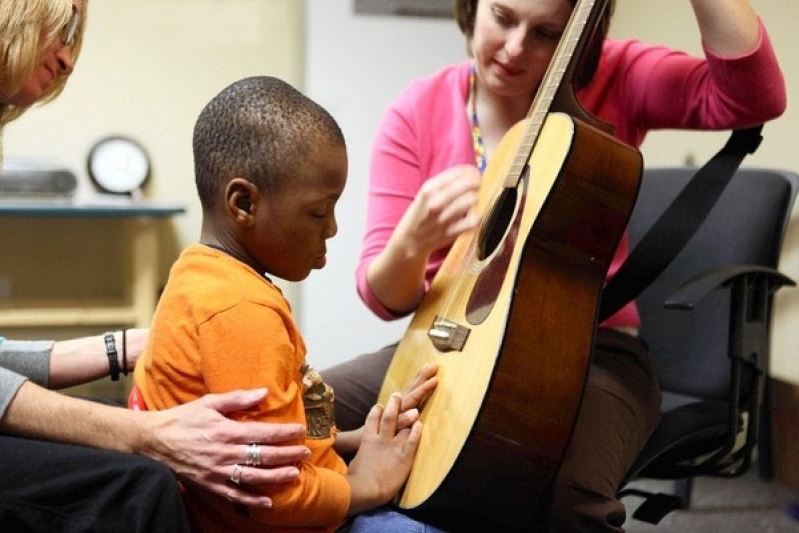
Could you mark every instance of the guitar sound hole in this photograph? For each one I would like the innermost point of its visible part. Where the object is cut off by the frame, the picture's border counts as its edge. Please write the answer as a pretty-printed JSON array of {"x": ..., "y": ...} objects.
[{"x": 497, "y": 223}]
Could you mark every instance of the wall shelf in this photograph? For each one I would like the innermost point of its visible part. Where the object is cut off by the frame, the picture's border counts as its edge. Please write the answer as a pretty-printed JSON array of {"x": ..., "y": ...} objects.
[{"x": 138, "y": 297}]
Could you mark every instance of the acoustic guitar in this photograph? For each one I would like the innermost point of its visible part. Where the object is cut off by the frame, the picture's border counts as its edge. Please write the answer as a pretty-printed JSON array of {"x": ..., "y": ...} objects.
[{"x": 511, "y": 315}]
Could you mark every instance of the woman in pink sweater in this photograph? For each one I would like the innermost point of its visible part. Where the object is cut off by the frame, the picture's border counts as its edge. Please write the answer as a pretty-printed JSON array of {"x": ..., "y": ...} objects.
[{"x": 432, "y": 146}]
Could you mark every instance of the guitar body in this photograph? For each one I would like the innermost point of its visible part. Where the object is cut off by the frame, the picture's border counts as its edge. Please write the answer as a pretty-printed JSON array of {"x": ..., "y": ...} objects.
[{"x": 524, "y": 309}]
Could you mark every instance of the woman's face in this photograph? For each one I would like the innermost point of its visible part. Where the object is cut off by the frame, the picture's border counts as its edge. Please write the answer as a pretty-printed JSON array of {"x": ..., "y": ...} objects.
[
  {"x": 54, "y": 60},
  {"x": 513, "y": 42}
]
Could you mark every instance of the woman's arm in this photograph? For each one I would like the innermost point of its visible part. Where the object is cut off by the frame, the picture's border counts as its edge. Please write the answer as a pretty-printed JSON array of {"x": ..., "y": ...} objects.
[
  {"x": 78, "y": 361},
  {"x": 196, "y": 440},
  {"x": 729, "y": 28}
]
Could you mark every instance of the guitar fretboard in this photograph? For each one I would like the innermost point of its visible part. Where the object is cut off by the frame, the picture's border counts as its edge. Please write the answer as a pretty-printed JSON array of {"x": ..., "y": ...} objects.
[{"x": 550, "y": 85}]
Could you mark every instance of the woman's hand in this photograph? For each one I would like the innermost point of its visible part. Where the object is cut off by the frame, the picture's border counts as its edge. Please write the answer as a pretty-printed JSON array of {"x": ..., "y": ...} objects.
[
  {"x": 443, "y": 209},
  {"x": 202, "y": 446}
]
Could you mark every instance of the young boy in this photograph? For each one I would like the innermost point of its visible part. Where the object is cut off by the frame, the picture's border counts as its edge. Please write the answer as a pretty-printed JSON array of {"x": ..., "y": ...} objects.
[{"x": 270, "y": 165}]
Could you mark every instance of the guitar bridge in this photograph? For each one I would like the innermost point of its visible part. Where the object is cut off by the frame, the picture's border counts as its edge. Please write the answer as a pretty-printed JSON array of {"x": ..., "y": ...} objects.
[{"x": 447, "y": 336}]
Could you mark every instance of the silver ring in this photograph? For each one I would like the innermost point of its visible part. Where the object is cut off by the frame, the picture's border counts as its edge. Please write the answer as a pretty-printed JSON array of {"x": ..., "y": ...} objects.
[
  {"x": 253, "y": 454},
  {"x": 236, "y": 477}
]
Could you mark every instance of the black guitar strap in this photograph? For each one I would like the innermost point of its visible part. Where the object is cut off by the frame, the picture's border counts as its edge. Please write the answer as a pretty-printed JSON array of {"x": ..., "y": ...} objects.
[{"x": 678, "y": 223}]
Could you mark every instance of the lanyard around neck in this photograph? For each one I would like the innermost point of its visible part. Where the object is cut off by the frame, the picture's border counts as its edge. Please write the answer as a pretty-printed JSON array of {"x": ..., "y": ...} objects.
[{"x": 477, "y": 134}]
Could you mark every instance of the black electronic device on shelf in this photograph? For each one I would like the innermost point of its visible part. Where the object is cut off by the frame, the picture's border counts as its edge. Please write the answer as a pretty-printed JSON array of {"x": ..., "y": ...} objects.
[{"x": 36, "y": 181}]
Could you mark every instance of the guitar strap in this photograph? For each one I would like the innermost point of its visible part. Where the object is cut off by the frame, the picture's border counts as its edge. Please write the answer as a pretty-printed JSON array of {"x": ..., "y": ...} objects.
[{"x": 681, "y": 219}]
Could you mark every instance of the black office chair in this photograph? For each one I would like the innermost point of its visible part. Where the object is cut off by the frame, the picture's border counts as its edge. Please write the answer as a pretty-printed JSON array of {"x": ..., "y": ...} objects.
[{"x": 706, "y": 319}]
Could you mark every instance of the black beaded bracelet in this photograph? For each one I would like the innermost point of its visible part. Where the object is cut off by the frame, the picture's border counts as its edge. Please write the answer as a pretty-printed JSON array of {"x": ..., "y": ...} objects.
[
  {"x": 111, "y": 351},
  {"x": 124, "y": 352}
]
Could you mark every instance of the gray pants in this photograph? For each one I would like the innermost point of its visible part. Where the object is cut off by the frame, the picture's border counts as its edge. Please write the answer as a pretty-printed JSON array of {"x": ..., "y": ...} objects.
[{"x": 620, "y": 410}]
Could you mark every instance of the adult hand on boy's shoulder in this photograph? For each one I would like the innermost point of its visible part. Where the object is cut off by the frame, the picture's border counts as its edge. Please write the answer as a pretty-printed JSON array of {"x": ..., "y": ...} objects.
[{"x": 202, "y": 445}]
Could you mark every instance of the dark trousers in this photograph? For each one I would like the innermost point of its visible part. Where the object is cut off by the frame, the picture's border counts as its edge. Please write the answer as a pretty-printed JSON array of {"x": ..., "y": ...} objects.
[
  {"x": 60, "y": 488},
  {"x": 620, "y": 410}
]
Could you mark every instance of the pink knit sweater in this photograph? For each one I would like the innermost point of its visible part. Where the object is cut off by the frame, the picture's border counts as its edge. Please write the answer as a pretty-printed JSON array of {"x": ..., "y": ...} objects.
[{"x": 637, "y": 88}]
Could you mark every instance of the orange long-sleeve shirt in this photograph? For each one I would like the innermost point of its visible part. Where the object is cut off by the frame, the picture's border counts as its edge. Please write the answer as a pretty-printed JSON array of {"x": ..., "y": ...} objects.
[{"x": 221, "y": 326}]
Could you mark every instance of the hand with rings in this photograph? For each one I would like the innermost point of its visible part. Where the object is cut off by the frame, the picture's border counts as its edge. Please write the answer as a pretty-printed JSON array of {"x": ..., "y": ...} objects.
[{"x": 203, "y": 446}]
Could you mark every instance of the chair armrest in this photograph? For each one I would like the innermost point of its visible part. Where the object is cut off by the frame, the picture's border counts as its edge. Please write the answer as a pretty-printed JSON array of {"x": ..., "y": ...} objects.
[{"x": 691, "y": 292}]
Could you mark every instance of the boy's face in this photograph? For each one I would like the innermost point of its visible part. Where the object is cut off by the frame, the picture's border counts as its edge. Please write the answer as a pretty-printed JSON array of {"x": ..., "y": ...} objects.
[{"x": 292, "y": 226}]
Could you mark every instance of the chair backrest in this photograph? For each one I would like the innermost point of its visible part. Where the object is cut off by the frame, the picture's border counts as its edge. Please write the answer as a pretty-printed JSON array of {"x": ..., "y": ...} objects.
[{"x": 746, "y": 226}]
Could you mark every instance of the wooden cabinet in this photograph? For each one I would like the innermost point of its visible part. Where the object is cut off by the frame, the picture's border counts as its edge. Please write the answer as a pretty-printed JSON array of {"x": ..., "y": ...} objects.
[
  {"x": 75, "y": 252},
  {"x": 68, "y": 270}
]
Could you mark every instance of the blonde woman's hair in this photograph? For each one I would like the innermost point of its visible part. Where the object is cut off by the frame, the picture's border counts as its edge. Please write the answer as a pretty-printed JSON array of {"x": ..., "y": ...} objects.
[{"x": 27, "y": 29}]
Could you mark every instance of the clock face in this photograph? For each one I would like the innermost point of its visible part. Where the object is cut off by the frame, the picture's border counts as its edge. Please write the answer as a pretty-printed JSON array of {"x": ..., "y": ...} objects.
[{"x": 118, "y": 165}]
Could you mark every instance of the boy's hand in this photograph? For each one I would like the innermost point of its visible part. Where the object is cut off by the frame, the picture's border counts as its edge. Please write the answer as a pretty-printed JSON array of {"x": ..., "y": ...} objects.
[
  {"x": 384, "y": 459},
  {"x": 411, "y": 400},
  {"x": 415, "y": 394}
]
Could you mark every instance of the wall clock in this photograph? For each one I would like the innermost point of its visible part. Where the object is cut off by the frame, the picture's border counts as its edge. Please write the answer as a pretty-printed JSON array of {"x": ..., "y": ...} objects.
[{"x": 118, "y": 165}]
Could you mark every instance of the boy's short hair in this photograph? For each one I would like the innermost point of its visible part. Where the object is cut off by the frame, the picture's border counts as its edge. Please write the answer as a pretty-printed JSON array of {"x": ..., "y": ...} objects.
[{"x": 259, "y": 128}]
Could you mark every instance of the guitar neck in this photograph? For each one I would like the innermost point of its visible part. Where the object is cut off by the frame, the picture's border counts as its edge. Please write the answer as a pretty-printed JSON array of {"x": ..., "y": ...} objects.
[{"x": 557, "y": 79}]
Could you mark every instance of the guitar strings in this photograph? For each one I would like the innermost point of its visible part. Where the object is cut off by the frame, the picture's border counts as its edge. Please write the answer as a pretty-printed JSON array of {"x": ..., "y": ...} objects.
[
  {"x": 536, "y": 115},
  {"x": 481, "y": 163}
]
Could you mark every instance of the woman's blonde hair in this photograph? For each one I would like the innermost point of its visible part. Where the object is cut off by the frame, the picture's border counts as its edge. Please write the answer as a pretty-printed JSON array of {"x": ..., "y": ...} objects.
[{"x": 29, "y": 27}]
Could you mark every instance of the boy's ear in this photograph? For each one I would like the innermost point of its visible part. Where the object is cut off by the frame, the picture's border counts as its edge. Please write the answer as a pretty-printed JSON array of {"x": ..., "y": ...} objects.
[{"x": 241, "y": 200}]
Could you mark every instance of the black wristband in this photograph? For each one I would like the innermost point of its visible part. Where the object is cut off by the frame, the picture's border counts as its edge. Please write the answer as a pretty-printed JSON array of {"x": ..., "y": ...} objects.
[
  {"x": 124, "y": 352},
  {"x": 111, "y": 351}
]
